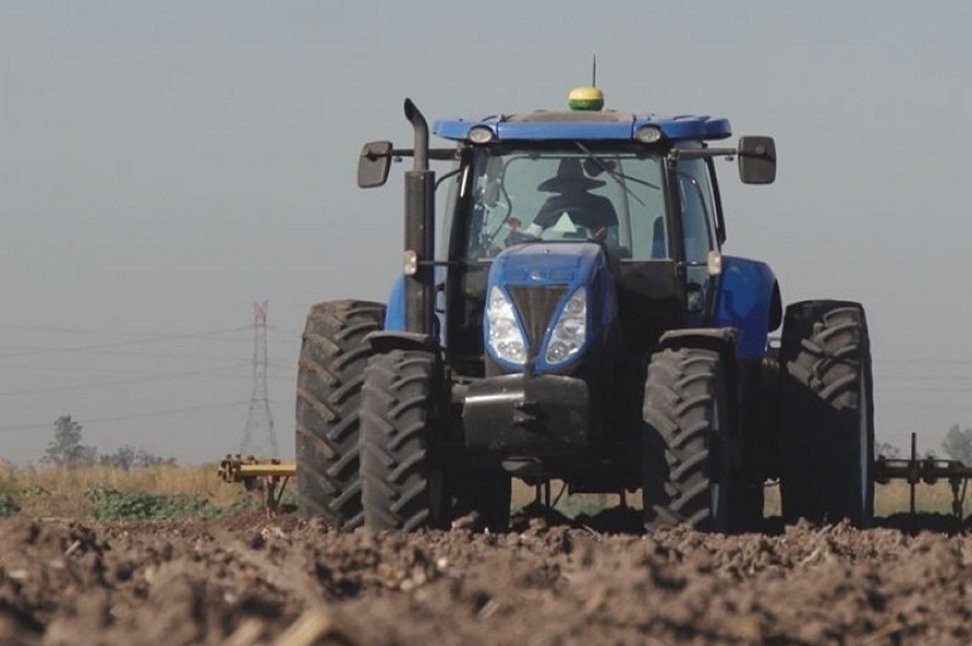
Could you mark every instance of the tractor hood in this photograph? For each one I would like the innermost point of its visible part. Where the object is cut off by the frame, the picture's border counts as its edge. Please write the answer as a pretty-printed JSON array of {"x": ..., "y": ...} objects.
[{"x": 539, "y": 279}]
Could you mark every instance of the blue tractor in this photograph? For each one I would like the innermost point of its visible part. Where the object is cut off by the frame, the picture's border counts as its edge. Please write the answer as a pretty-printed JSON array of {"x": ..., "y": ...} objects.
[{"x": 580, "y": 323}]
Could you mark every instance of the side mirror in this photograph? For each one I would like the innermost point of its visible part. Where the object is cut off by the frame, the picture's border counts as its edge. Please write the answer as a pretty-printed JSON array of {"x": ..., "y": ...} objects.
[
  {"x": 373, "y": 164},
  {"x": 757, "y": 160}
]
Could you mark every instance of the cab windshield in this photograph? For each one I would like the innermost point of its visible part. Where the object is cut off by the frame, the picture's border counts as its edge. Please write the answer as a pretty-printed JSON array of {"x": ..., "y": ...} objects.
[{"x": 574, "y": 194}]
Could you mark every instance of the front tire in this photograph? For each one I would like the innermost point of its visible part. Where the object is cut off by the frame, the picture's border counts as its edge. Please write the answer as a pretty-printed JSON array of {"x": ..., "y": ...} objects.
[
  {"x": 686, "y": 408},
  {"x": 401, "y": 417},
  {"x": 828, "y": 416}
]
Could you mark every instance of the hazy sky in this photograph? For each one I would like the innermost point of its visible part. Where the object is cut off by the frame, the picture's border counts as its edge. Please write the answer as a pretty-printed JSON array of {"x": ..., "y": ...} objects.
[{"x": 164, "y": 164}]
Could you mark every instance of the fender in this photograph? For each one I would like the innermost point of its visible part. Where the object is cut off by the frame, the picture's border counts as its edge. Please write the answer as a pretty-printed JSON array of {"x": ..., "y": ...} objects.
[
  {"x": 748, "y": 299},
  {"x": 385, "y": 341},
  {"x": 395, "y": 312},
  {"x": 723, "y": 340}
]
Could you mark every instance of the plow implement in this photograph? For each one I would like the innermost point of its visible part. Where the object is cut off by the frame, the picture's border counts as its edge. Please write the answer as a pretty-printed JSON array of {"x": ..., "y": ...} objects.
[
  {"x": 269, "y": 477},
  {"x": 929, "y": 471}
]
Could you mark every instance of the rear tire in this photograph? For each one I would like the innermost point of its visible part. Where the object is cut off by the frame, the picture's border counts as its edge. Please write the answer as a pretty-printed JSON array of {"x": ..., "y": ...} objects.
[
  {"x": 329, "y": 377},
  {"x": 828, "y": 416},
  {"x": 685, "y": 406},
  {"x": 401, "y": 413}
]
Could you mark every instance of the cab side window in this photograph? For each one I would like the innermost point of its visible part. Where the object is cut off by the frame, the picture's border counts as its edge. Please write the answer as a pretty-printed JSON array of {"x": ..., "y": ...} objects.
[{"x": 698, "y": 215}]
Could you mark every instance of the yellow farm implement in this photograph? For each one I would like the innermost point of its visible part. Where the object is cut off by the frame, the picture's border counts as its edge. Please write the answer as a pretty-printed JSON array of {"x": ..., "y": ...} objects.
[{"x": 270, "y": 477}]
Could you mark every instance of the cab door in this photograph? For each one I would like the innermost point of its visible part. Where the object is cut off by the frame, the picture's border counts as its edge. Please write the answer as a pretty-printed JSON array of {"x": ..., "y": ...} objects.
[{"x": 697, "y": 211}]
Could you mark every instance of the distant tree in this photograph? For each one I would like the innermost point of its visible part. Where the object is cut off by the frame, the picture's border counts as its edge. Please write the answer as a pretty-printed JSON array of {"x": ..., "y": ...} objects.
[
  {"x": 122, "y": 458},
  {"x": 145, "y": 459},
  {"x": 958, "y": 444},
  {"x": 128, "y": 457},
  {"x": 886, "y": 449},
  {"x": 66, "y": 449}
]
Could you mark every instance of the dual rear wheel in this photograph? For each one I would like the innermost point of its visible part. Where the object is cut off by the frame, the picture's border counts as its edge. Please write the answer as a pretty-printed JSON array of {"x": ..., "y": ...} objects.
[
  {"x": 329, "y": 381},
  {"x": 369, "y": 428},
  {"x": 828, "y": 415},
  {"x": 821, "y": 408}
]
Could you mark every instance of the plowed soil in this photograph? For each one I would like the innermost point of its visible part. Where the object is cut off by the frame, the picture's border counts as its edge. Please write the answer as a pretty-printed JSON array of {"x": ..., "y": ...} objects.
[{"x": 248, "y": 580}]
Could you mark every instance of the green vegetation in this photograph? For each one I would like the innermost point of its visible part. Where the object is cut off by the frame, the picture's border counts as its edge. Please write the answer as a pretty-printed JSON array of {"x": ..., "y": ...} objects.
[
  {"x": 112, "y": 504},
  {"x": 116, "y": 493},
  {"x": 174, "y": 492},
  {"x": 8, "y": 505}
]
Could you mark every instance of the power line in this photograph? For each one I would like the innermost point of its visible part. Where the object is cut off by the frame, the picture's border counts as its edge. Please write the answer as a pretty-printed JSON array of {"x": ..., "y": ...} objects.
[
  {"x": 278, "y": 374},
  {"x": 166, "y": 355},
  {"x": 117, "y": 382},
  {"x": 925, "y": 360},
  {"x": 115, "y": 344},
  {"x": 84, "y": 330},
  {"x": 117, "y": 418},
  {"x": 924, "y": 389},
  {"x": 288, "y": 335},
  {"x": 922, "y": 377}
]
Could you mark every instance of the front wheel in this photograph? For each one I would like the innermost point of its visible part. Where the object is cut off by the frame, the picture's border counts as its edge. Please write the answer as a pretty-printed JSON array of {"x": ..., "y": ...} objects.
[
  {"x": 685, "y": 411},
  {"x": 401, "y": 417}
]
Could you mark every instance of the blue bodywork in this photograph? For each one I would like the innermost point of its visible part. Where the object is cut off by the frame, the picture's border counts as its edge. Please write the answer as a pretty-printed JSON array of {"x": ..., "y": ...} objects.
[
  {"x": 395, "y": 313},
  {"x": 623, "y": 128},
  {"x": 745, "y": 301},
  {"x": 567, "y": 264}
]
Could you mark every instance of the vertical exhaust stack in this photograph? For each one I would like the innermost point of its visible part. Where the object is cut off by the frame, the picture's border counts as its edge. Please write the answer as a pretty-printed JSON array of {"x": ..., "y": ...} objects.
[{"x": 419, "y": 230}]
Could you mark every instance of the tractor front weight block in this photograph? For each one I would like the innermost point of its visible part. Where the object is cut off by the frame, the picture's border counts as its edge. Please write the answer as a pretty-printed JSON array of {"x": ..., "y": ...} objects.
[{"x": 539, "y": 416}]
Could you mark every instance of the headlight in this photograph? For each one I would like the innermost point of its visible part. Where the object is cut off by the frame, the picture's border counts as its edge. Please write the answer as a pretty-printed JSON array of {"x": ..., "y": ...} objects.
[
  {"x": 570, "y": 331},
  {"x": 505, "y": 337},
  {"x": 480, "y": 134},
  {"x": 648, "y": 134}
]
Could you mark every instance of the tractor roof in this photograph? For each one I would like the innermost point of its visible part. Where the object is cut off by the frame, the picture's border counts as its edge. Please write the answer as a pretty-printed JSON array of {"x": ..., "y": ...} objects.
[{"x": 547, "y": 125}]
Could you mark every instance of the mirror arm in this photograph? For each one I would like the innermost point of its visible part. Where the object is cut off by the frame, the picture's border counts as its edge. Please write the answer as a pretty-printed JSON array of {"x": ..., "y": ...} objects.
[
  {"x": 440, "y": 154},
  {"x": 701, "y": 153},
  {"x": 706, "y": 153}
]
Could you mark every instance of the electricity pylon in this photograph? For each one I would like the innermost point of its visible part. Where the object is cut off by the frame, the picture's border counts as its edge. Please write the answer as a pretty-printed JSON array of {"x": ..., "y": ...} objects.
[{"x": 259, "y": 438}]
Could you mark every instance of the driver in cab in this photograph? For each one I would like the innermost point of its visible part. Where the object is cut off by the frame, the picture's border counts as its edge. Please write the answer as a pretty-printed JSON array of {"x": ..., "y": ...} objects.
[{"x": 573, "y": 205}]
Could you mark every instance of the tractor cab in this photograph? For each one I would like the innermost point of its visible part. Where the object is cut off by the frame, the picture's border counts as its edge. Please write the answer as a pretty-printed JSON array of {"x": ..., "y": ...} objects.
[{"x": 638, "y": 186}]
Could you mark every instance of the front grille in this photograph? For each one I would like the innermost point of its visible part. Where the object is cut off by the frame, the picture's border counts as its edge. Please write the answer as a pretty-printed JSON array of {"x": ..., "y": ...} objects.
[{"x": 536, "y": 306}]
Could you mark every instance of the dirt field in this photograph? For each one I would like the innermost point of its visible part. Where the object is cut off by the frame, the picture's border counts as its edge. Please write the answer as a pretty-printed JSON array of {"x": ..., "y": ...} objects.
[{"x": 244, "y": 580}]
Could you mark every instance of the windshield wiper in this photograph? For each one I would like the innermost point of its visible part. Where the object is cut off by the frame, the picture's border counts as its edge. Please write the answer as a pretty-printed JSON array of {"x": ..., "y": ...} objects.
[{"x": 616, "y": 176}]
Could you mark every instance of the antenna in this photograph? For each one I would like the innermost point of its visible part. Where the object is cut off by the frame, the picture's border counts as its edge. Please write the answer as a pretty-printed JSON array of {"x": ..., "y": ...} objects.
[{"x": 594, "y": 72}]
